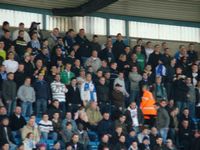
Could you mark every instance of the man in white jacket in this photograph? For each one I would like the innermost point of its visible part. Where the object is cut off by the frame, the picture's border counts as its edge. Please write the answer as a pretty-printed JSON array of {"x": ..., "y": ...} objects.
[{"x": 58, "y": 92}]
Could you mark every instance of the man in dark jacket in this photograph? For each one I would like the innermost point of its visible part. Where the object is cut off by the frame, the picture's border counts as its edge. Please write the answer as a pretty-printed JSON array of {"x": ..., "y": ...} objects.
[
  {"x": 73, "y": 96},
  {"x": 20, "y": 44},
  {"x": 54, "y": 108},
  {"x": 154, "y": 57},
  {"x": 7, "y": 41},
  {"x": 105, "y": 126},
  {"x": 20, "y": 76},
  {"x": 17, "y": 122},
  {"x": 118, "y": 46},
  {"x": 76, "y": 145},
  {"x": 6, "y": 135},
  {"x": 94, "y": 45},
  {"x": 83, "y": 51},
  {"x": 42, "y": 91},
  {"x": 180, "y": 91},
  {"x": 9, "y": 90},
  {"x": 103, "y": 94},
  {"x": 135, "y": 117}
]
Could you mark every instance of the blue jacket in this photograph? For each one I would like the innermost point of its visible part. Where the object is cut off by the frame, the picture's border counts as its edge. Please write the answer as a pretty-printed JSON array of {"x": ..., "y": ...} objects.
[{"x": 42, "y": 90}]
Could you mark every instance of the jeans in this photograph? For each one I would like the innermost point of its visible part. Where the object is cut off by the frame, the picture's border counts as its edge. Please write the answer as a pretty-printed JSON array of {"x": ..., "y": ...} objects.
[
  {"x": 12, "y": 146},
  {"x": 134, "y": 97},
  {"x": 52, "y": 135},
  {"x": 181, "y": 105},
  {"x": 11, "y": 106},
  {"x": 27, "y": 109},
  {"x": 63, "y": 107},
  {"x": 163, "y": 134},
  {"x": 191, "y": 106},
  {"x": 17, "y": 136},
  {"x": 41, "y": 106}
]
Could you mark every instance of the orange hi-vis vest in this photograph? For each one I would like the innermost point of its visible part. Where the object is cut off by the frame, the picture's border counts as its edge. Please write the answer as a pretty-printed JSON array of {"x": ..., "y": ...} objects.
[{"x": 147, "y": 104}]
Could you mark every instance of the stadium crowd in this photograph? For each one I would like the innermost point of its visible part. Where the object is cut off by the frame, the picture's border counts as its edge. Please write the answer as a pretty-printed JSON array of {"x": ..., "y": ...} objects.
[{"x": 70, "y": 93}]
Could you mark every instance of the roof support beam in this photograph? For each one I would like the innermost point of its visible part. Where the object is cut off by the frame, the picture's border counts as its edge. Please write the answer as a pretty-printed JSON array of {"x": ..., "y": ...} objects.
[{"x": 84, "y": 9}]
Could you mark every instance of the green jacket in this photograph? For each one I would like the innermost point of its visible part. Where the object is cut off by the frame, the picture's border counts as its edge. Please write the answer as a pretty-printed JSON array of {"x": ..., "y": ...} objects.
[{"x": 66, "y": 77}]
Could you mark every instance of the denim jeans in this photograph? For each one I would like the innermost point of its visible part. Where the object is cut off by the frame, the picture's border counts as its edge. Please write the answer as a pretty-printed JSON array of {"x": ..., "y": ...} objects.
[
  {"x": 27, "y": 109},
  {"x": 41, "y": 106},
  {"x": 17, "y": 136},
  {"x": 11, "y": 106},
  {"x": 163, "y": 134},
  {"x": 191, "y": 106},
  {"x": 134, "y": 97},
  {"x": 52, "y": 135},
  {"x": 181, "y": 105}
]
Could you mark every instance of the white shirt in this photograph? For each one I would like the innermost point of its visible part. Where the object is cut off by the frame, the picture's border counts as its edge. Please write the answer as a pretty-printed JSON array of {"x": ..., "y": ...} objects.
[{"x": 10, "y": 65}]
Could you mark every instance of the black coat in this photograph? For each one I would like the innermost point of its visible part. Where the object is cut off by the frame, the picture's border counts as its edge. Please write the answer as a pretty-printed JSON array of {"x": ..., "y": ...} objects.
[
  {"x": 73, "y": 96},
  {"x": 153, "y": 59},
  {"x": 118, "y": 48},
  {"x": 84, "y": 50},
  {"x": 79, "y": 145},
  {"x": 17, "y": 123},
  {"x": 180, "y": 90},
  {"x": 3, "y": 138},
  {"x": 19, "y": 78},
  {"x": 102, "y": 93},
  {"x": 105, "y": 127},
  {"x": 28, "y": 68}
]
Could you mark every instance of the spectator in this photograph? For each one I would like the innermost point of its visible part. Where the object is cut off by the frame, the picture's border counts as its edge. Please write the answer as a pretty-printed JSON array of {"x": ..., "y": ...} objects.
[
  {"x": 75, "y": 142},
  {"x": 2, "y": 52},
  {"x": 192, "y": 54},
  {"x": 145, "y": 145},
  {"x": 17, "y": 122},
  {"x": 140, "y": 43},
  {"x": 94, "y": 115},
  {"x": 88, "y": 90},
  {"x": 103, "y": 93},
  {"x": 31, "y": 126},
  {"x": 66, "y": 75},
  {"x": 160, "y": 69},
  {"x": 104, "y": 142},
  {"x": 42, "y": 92},
  {"x": 118, "y": 45},
  {"x": 26, "y": 94},
  {"x": 34, "y": 43},
  {"x": 105, "y": 126},
  {"x": 159, "y": 144},
  {"x": 153, "y": 136},
  {"x": 10, "y": 64},
  {"x": 159, "y": 90},
  {"x": 69, "y": 38},
  {"x": 20, "y": 44},
  {"x": 93, "y": 61},
  {"x": 83, "y": 136},
  {"x": 107, "y": 53},
  {"x": 170, "y": 145},
  {"x": 16, "y": 32},
  {"x": 94, "y": 44},
  {"x": 7, "y": 41},
  {"x": 134, "y": 78},
  {"x": 73, "y": 95},
  {"x": 83, "y": 51},
  {"x": 121, "y": 143},
  {"x": 6, "y": 135},
  {"x": 166, "y": 57},
  {"x": 59, "y": 90},
  {"x": 20, "y": 75},
  {"x": 28, "y": 66},
  {"x": 5, "y": 27},
  {"x": 67, "y": 119},
  {"x": 133, "y": 146},
  {"x": 191, "y": 96},
  {"x": 185, "y": 135},
  {"x": 9, "y": 90},
  {"x": 135, "y": 117},
  {"x": 154, "y": 57},
  {"x": 140, "y": 57},
  {"x": 148, "y": 49},
  {"x": 162, "y": 120},
  {"x": 121, "y": 121},
  {"x": 46, "y": 128},
  {"x": 29, "y": 142},
  {"x": 54, "y": 108},
  {"x": 52, "y": 40}
]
